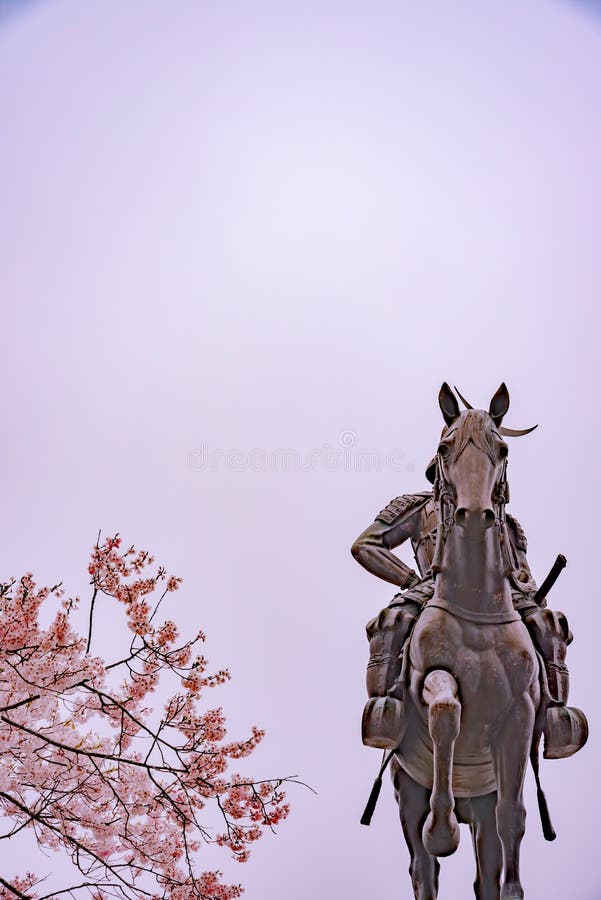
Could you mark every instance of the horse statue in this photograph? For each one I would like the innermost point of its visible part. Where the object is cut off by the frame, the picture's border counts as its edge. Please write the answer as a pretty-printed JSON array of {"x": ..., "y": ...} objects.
[{"x": 472, "y": 687}]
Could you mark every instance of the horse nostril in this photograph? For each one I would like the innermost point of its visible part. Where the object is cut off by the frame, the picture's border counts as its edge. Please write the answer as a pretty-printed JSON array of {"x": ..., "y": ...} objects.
[
  {"x": 474, "y": 518},
  {"x": 489, "y": 518},
  {"x": 460, "y": 516}
]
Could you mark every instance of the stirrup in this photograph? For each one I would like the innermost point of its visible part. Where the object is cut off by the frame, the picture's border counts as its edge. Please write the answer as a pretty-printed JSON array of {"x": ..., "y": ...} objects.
[
  {"x": 566, "y": 731},
  {"x": 382, "y": 725}
]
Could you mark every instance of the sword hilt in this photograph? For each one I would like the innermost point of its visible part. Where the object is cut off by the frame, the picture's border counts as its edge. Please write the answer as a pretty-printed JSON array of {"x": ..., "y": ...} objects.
[{"x": 556, "y": 569}]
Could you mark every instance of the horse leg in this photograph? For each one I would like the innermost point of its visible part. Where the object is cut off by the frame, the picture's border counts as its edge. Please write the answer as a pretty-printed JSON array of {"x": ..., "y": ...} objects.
[
  {"x": 511, "y": 748},
  {"x": 441, "y": 830},
  {"x": 487, "y": 847},
  {"x": 414, "y": 805}
]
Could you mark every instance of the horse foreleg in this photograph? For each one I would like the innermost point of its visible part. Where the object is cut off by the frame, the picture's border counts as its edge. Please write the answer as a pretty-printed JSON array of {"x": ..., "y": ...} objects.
[
  {"x": 487, "y": 847},
  {"x": 441, "y": 830},
  {"x": 414, "y": 806},
  {"x": 511, "y": 748}
]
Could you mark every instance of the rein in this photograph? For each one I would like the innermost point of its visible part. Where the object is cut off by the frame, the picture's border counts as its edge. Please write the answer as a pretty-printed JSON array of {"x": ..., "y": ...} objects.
[
  {"x": 479, "y": 618},
  {"x": 444, "y": 501}
]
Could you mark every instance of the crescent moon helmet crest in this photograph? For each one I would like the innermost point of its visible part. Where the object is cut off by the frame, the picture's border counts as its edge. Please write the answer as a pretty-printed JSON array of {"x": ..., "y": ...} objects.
[{"x": 506, "y": 432}]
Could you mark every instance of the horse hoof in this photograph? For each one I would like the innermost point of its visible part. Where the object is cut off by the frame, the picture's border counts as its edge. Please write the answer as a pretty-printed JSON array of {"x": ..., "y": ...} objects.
[
  {"x": 441, "y": 837},
  {"x": 512, "y": 891}
]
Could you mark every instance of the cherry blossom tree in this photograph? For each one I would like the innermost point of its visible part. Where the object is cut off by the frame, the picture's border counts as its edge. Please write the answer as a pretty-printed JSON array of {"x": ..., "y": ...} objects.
[{"x": 97, "y": 774}]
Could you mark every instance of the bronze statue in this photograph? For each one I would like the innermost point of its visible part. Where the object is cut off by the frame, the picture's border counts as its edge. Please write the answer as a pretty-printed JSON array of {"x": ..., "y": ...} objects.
[{"x": 467, "y": 665}]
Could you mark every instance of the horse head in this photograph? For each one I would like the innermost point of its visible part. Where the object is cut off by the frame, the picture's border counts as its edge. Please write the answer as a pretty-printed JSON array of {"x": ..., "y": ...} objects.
[{"x": 472, "y": 460}]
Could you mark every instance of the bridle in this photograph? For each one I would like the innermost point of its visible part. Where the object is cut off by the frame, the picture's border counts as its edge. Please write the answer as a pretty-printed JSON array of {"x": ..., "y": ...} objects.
[
  {"x": 445, "y": 505},
  {"x": 444, "y": 502}
]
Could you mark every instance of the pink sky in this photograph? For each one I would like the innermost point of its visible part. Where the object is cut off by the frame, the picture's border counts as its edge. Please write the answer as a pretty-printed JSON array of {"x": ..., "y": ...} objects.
[{"x": 278, "y": 226}]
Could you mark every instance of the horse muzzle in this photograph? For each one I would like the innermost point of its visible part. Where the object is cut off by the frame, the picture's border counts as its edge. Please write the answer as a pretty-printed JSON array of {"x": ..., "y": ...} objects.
[{"x": 474, "y": 519}]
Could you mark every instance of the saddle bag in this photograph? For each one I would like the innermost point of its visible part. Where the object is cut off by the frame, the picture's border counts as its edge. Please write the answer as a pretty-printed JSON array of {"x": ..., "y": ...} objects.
[
  {"x": 566, "y": 731},
  {"x": 382, "y": 725}
]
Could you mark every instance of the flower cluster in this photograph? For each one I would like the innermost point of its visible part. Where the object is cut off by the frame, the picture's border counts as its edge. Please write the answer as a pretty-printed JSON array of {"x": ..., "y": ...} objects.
[{"x": 88, "y": 766}]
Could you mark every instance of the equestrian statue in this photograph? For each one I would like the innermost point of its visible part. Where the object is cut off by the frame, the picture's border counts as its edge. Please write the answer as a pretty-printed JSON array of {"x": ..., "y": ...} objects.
[{"x": 467, "y": 663}]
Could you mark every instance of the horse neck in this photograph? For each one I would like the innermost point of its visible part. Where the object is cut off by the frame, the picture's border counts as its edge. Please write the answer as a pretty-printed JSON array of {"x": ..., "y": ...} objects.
[{"x": 472, "y": 574}]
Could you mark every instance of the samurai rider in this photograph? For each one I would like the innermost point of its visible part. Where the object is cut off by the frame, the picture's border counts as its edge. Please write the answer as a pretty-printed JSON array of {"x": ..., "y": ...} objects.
[{"x": 413, "y": 517}]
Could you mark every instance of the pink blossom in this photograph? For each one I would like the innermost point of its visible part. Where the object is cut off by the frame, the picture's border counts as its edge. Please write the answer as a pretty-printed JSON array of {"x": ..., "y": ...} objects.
[{"x": 121, "y": 786}]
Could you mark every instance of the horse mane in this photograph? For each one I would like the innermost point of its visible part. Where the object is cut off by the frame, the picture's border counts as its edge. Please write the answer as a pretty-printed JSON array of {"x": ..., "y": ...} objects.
[{"x": 474, "y": 425}]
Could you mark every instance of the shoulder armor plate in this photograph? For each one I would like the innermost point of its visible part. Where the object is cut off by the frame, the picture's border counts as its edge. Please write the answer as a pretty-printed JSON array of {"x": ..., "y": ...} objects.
[
  {"x": 401, "y": 505},
  {"x": 519, "y": 533}
]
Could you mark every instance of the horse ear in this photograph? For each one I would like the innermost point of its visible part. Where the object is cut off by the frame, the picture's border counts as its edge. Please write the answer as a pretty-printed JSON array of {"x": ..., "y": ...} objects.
[
  {"x": 499, "y": 405},
  {"x": 448, "y": 403}
]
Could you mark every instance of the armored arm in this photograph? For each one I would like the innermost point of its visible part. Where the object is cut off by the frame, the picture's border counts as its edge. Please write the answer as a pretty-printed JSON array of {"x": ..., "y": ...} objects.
[
  {"x": 551, "y": 636},
  {"x": 395, "y": 524},
  {"x": 522, "y": 576}
]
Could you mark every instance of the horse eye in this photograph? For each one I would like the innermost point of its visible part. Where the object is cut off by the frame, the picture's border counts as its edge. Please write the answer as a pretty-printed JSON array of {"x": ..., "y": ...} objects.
[
  {"x": 443, "y": 450},
  {"x": 503, "y": 451}
]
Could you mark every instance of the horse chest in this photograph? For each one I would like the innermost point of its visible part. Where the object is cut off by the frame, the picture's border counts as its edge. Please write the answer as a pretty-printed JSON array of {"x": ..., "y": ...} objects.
[
  {"x": 440, "y": 640},
  {"x": 491, "y": 658}
]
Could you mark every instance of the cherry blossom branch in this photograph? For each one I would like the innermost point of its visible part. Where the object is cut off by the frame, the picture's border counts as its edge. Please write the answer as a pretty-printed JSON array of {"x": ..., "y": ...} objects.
[
  {"x": 91, "y": 621},
  {"x": 80, "y": 751},
  {"x": 69, "y": 839},
  {"x": 15, "y": 891},
  {"x": 126, "y": 808}
]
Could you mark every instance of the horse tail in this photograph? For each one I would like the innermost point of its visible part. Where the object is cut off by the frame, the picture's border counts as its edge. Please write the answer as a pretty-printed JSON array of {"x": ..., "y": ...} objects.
[
  {"x": 543, "y": 808},
  {"x": 375, "y": 791}
]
